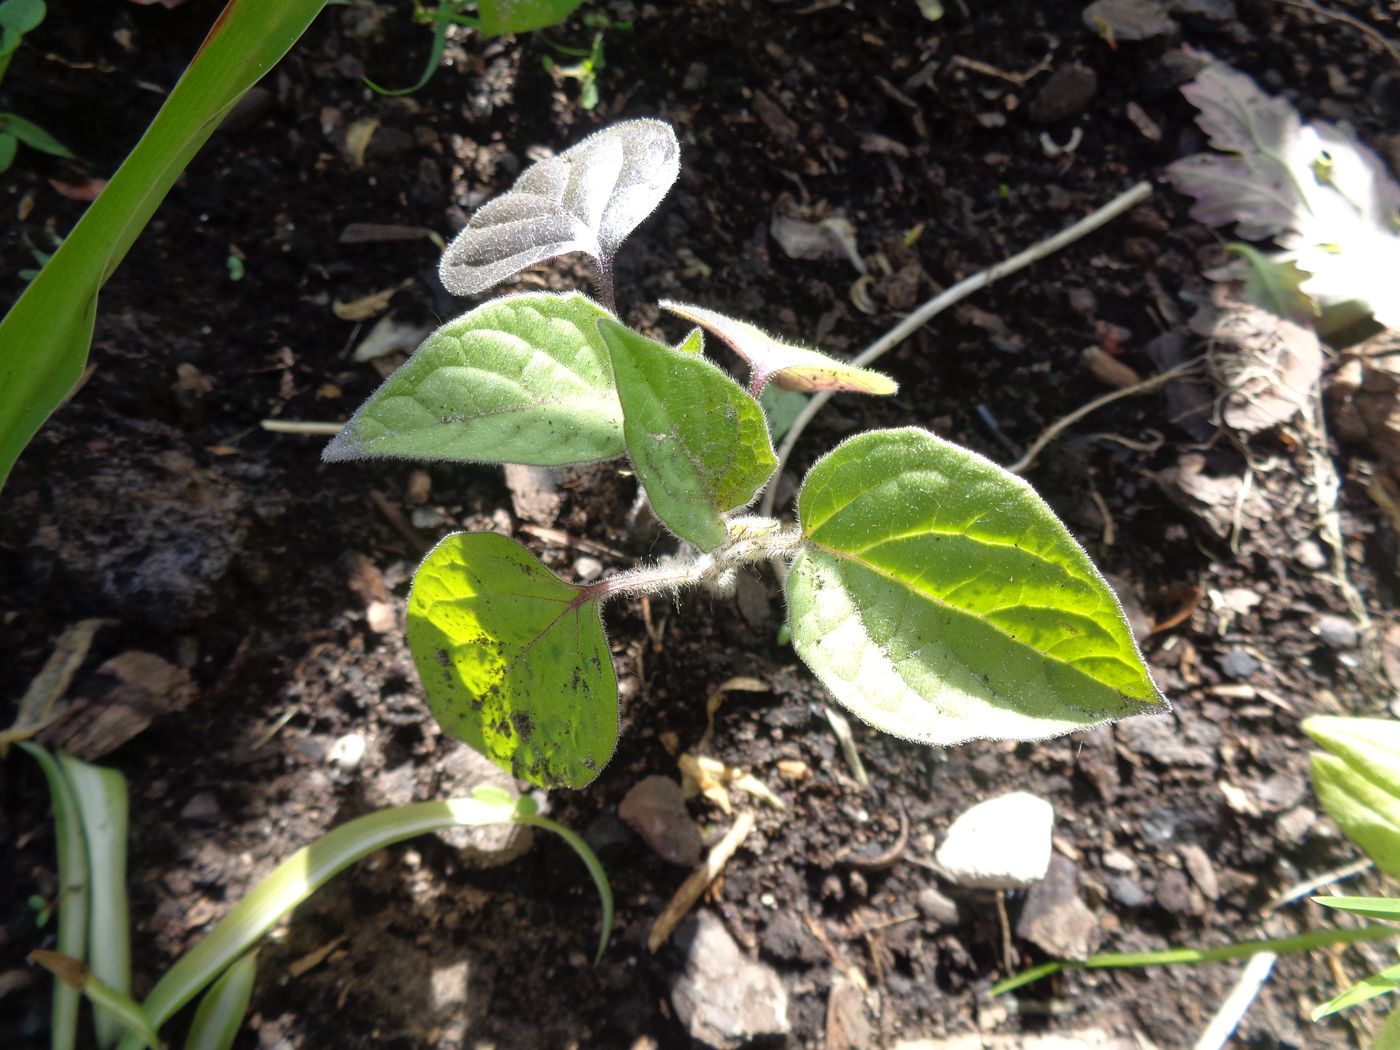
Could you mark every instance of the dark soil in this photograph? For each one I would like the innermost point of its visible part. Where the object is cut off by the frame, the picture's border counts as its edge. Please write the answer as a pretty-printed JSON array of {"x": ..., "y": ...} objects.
[{"x": 154, "y": 499}]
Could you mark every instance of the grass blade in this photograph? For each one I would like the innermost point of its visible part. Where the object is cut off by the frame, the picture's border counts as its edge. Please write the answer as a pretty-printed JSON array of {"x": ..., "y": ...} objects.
[
  {"x": 72, "y": 893},
  {"x": 297, "y": 878},
  {"x": 595, "y": 870},
  {"x": 1303, "y": 942},
  {"x": 44, "y": 339},
  {"x": 101, "y": 798},
  {"x": 122, "y": 1008},
  {"x": 221, "y": 1011}
]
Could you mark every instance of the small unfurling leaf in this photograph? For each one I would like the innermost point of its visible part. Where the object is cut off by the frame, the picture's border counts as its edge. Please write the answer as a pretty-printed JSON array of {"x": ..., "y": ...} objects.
[{"x": 586, "y": 199}]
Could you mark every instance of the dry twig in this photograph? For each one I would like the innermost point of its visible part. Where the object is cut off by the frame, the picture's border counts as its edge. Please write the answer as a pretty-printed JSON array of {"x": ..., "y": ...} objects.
[{"x": 690, "y": 890}]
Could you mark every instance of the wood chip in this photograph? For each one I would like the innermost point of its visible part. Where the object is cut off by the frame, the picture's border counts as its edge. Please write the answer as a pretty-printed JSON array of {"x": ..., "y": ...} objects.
[{"x": 695, "y": 884}]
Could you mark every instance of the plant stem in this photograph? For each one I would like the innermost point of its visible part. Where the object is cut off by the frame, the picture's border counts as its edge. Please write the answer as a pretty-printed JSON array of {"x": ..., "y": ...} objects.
[
  {"x": 605, "y": 283},
  {"x": 931, "y": 309},
  {"x": 751, "y": 540}
]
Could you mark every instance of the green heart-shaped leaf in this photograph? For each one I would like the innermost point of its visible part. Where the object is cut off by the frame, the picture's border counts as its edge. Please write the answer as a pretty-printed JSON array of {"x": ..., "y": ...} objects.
[
  {"x": 513, "y": 661},
  {"x": 698, "y": 442},
  {"x": 522, "y": 379},
  {"x": 941, "y": 600}
]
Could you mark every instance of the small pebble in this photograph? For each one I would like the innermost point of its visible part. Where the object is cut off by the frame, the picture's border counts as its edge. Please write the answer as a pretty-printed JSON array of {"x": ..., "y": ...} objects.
[
  {"x": 202, "y": 808},
  {"x": 1238, "y": 664},
  {"x": 1003, "y": 843},
  {"x": 347, "y": 751},
  {"x": 935, "y": 906},
  {"x": 588, "y": 569},
  {"x": 1337, "y": 632},
  {"x": 1128, "y": 893}
]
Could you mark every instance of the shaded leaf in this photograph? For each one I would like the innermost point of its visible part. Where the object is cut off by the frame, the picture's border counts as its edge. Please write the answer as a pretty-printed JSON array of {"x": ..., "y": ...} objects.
[
  {"x": 32, "y": 135},
  {"x": 523, "y": 379},
  {"x": 21, "y": 16},
  {"x": 513, "y": 661},
  {"x": 1272, "y": 284},
  {"x": 586, "y": 199},
  {"x": 699, "y": 443},
  {"x": 941, "y": 600},
  {"x": 788, "y": 366},
  {"x": 499, "y": 17},
  {"x": 8, "y": 147}
]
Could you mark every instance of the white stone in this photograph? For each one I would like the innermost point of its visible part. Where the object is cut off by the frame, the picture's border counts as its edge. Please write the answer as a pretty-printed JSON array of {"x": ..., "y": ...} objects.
[
  {"x": 1003, "y": 843},
  {"x": 347, "y": 751}
]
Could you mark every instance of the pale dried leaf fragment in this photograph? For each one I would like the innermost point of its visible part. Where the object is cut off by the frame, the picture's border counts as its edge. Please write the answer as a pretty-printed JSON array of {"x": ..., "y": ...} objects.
[
  {"x": 586, "y": 199},
  {"x": 1313, "y": 187},
  {"x": 1267, "y": 367}
]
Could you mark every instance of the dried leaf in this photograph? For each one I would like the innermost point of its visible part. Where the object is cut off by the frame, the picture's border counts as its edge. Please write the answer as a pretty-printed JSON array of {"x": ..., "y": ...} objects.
[
  {"x": 586, "y": 199},
  {"x": 1314, "y": 188},
  {"x": 1267, "y": 366}
]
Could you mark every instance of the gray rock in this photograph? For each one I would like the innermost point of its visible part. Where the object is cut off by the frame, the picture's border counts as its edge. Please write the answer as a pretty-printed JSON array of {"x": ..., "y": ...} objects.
[
  {"x": 1003, "y": 843},
  {"x": 1055, "y": 919},
  {"x": 1337, "y": 632},
  {"x": 935, "y": 906},
  {"x": 655, "y": 809},
  {"x": 1179, "y": 741},
  {"x": 786, "y": 938},
  {"x": 723, "y": 998},
  {"x": 1177, "y": 895},
  {"x": 1128, "y": 893},
  {"x": 463, "y": 769},
  {"x": 202, "y": 808},
  {"x": 1238, "y": 664},
  {"x": 1064, "y": 96},
  {"x": 1201, "y": 870}
]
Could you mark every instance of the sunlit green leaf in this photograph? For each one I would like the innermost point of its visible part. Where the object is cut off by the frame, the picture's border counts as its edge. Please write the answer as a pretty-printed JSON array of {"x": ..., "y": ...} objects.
[
  {"x": 699, "y": 443},
  {"x": 1373, "y": 907},
  {"x": 1388, "y": 1038},
  {"x": 513, "y": 660},
  {"x": 941, "y": 600},
  {"x": 221, "y": 1011},
  {"x": 1377, "y": 984},
  {"x": 1358, "y": 783},
  {"x": 522, "y": 379}
]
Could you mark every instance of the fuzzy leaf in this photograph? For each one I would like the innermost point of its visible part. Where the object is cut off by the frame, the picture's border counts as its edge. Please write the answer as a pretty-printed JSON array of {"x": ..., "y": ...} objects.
[
  {"x": 1314, "y": 188},
  {"x": 941, "y": 601},
  {"x": 512, "y": 661},
  {"x": 586, "y": 199},
  {"x": 523, "y": 379},
  {"x": 788, "y": 366},
  {"x": 499, "y": 17},
  {"x": 699, "y": 443},
  {"x": 1358, "y": 783}
]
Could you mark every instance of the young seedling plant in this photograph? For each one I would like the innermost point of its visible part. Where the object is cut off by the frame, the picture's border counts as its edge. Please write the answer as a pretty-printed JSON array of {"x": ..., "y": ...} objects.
[{"x": 933, "y": 593}]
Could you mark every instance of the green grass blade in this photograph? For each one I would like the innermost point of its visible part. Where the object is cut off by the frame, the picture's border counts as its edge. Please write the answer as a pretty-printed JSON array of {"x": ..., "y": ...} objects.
[
  {"x": 434, "y": 58},
  {"x": 595, "y": 870},
  {"x": 44, "y": 339},
  {"x": 72, "y": 898},
  {"x": 1377, "y": 984},
  {"x": 296, "y": 879},
  {"x": 221, "y": 1011},
  {"x": 33, "y": 136},
  {"x": 122, "y": 1008},
  {"x": 1371, "y": 907},
  {"x": 1303, "y": 942},
  {"x": 101, "y": 798}
]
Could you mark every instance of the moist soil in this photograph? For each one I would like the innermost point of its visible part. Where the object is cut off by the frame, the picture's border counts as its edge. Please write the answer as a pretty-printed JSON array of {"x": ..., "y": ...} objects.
[{"x": 253, "y": 597}]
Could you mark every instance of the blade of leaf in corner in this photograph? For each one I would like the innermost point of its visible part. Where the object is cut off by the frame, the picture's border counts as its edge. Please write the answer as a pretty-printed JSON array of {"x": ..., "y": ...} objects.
[
  {"x": 1387, "y": 980},
  {"x": 1367, "y": 811},
  {"x": 789, "y": 367},
  {"x": 699, "y": 444},
  {"x": 522, "y": 379},
  {"x": 941, "y": 600},
  {"x": 513, "y": 661}
]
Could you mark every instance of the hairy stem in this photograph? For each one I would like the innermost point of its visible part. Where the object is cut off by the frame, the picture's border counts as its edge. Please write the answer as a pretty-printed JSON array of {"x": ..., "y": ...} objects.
[
  {"x": 605, "y": 283},
  {"x": 751, "y": 540}
]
